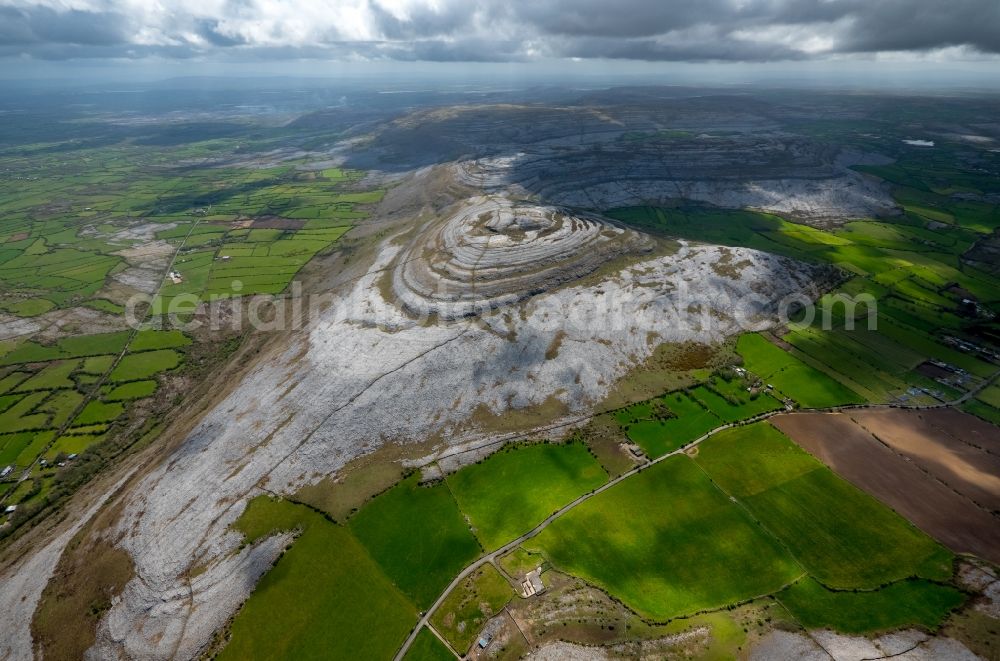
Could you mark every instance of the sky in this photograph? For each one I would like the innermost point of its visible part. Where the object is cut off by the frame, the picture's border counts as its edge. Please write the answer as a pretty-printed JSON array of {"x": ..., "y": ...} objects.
[{"x": 46, "y": 37}]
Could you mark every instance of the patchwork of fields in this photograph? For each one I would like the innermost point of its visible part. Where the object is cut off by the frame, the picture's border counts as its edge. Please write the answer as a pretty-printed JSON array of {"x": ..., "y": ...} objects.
[
  {"x": 670, "y": 544},
  {"x": 673, "y": 420},
  {"x": 749, "y": 515},
  {"x": 94, "y": 226},
  {"x": 744, "y": 515},
  {"x": 849, "y": 533},
  {"x": 88, "y": 228},
  {"x": 404, "y": 547},
  {"x": 931, "y": 306},
  {"x": 58, "y": 401},
  {"x": 931, "y": 499}
]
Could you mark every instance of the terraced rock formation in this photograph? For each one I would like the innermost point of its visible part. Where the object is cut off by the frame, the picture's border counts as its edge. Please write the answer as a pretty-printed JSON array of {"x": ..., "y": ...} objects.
[
  {"x": 772, "y": 175},
  {"x": 494, "y": 252}
]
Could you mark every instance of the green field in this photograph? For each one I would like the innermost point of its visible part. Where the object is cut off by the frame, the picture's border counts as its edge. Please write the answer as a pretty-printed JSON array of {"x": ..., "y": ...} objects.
[
  {"x": 98, "y": 411},
  {"x": 990, "y": 396},
  {"x": 473, "y": 601},
  {"x": 983, "y": 410},
  {"x": 129, "y": 391},
  {"x": 38, "y": 442},
  {"x": 427, "y": 647},
  {"x": 72, "y": 444},
  {"x": 97, "y": 364},
  {"x": 512, "y": 491},
  {"x": 71, "y": 347},
  {"x": 324, "y": 599},
  {"x": 53, "y": 376},
  {"x": 519, "y": 562},
  {"x": 667, "y": 543},
  {"x": 146, "y": 340},
  {"x": 12, "y": 445},
  {"x": 418, "y": 536},
  {"x": 138, "y": 366},
  {"x": 842, "y": 536},
  {"x": 731, "y": 406},
  {"x": 904, "y": 604},
  {"x": 751, "y": 459},
  {"x": 809, "y": 387},
  {"x": 22, "y": 416},
  {"x": 266, "y": 515},
  {"x": 658, "y": 437}
]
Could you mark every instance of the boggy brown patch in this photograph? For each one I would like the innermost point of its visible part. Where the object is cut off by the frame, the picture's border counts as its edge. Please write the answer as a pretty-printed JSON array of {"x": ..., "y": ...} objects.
[
  {"x": 90, "y": 573},
  {"x": 687, "y": 356}
]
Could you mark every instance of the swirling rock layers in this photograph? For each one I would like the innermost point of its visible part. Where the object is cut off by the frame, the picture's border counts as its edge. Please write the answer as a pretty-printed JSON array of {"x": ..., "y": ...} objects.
[{"x": 495, "y": 252}]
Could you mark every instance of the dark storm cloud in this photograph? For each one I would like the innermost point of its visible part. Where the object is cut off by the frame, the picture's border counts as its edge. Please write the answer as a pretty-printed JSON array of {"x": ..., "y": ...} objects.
[
  {"x": 42, "y": 25},
  {"x": 13, "y": 29},
  {"x": 497, "y": 30},
  {"x": 680, "y": 50},
  {"x": 452, "y": 20},
  {"x": 622, "y": 19},
  {"x": 901, "y": 25},
  {"x": 852, "y": 26}
]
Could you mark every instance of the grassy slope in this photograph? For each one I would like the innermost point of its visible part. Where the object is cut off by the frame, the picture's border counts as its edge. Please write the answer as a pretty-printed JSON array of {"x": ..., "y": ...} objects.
[
  {"x": 418, "y": 536},
  {"x": 324, "y": 599},
  {"x": 514, "y": 490},
  {"x": 667, "y": 542},
  {"x": 427, "y": 647},
  {"x": 906, "y": 603},
  {"x": 842, "y": 536},
  {"x": 478, "y": 598}
]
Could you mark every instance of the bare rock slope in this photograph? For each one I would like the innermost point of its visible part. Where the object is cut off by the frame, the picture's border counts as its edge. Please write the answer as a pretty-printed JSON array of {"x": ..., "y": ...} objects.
[{"x": 371, "y": 371}]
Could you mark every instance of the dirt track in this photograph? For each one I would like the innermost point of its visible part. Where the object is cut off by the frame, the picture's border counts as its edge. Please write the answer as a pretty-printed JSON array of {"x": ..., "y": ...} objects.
[{"x": 861, "y": 459}]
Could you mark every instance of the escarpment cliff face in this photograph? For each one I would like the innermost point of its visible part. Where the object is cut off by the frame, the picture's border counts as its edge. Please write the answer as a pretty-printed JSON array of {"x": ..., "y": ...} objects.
[
  {"x": 722, "y": 151},
  {"x": 617, "y": 175}
]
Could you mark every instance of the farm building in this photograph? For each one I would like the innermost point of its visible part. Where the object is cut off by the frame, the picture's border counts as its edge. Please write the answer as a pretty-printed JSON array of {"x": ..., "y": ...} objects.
[{"x": 532, "y": 583}]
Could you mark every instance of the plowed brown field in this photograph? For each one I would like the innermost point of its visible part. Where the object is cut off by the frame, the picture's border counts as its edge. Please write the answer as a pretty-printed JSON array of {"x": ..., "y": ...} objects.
[
  {"x": 936, "y": 508},
  {"x": 962, "y": 466}
]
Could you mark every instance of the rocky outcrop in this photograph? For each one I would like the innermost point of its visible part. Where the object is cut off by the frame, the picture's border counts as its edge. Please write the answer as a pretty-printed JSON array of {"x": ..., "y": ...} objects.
[{"x": 494, "y": 252}]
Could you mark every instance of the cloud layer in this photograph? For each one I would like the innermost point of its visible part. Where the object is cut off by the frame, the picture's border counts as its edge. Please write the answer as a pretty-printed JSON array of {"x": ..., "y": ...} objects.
[{"x": 496, "y": 30}]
